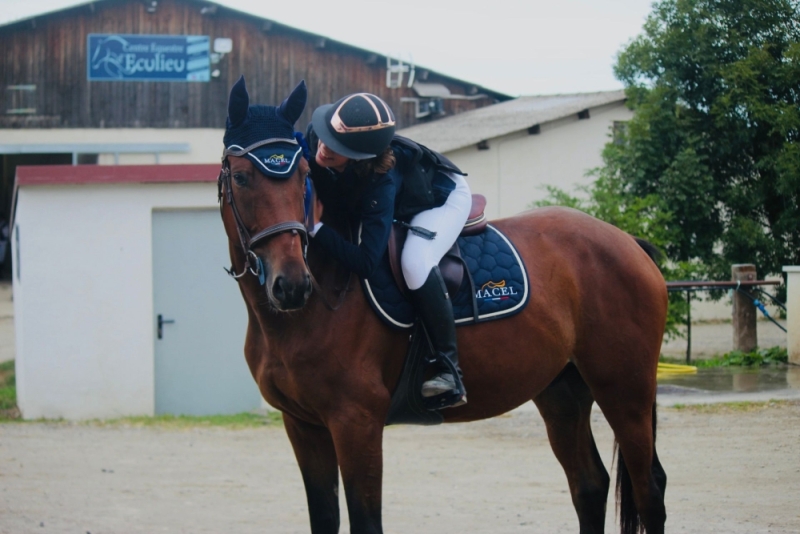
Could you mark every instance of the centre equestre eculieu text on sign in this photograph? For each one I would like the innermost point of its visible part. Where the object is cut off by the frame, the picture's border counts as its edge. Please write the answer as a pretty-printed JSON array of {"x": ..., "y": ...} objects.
[{"x": 164, "y": 58}]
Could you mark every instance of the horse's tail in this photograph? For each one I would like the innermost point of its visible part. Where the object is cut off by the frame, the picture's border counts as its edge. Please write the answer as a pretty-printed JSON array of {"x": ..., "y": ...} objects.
[
  {"x": 629, "y": 522},
  {"x": 655, "y": 254}
]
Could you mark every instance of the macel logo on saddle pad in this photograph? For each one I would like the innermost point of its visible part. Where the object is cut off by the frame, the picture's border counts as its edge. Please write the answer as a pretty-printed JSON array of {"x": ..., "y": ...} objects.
[{"x": 495, "y": 291}]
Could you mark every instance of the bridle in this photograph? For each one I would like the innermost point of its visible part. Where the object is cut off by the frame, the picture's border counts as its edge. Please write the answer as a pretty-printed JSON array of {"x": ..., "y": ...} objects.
[{"x": 253, "y": 262}]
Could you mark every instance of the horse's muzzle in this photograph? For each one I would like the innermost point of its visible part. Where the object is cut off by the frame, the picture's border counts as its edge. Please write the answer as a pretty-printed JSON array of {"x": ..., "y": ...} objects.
[{"x": 291, "y": 293}]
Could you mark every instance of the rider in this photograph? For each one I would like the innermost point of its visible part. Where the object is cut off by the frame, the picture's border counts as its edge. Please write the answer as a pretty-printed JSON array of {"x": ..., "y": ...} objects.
[{"x": 352, "y": 171}]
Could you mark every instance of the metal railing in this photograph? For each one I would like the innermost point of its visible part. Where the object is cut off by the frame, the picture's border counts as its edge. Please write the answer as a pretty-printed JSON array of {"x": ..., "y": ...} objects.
[{"x": 690, "y": 286}]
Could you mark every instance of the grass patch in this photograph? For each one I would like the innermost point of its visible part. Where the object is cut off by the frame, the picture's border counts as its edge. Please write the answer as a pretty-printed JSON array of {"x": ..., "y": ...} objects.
[
  {"x": 10, "y": 413},
  {"x": 175, "y": 422},
  {"x": 235, "y": 421},
  {"x": 8, "y": 392},
  {"x": 734, "y": 407},
  {"x": 737, "y": 358}
]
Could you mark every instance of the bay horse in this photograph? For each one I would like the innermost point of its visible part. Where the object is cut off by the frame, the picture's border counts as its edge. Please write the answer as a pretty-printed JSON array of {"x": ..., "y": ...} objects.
[{"x": 591, "y": 332}]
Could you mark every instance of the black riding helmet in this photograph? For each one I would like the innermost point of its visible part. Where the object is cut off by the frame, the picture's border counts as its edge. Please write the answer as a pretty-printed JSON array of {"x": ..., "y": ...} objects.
[{"x": 358, "y": 126}]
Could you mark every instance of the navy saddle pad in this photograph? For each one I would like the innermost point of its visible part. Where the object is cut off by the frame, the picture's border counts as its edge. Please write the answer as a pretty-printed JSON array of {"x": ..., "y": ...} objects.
[{"x": 498, "y": 274}]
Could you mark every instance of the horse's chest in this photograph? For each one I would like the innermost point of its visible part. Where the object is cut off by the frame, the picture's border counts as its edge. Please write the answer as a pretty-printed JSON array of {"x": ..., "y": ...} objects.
[{"x": 286, "y": 389}]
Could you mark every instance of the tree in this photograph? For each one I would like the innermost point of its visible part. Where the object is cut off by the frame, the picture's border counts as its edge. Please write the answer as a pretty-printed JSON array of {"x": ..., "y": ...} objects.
[{"x": 714, "y": 145}]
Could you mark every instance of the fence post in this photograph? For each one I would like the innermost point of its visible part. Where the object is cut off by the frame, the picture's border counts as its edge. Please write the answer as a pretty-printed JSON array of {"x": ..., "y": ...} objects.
[
  {"x": 793, "y": 312},
  {"x": 745, "y": 337}
]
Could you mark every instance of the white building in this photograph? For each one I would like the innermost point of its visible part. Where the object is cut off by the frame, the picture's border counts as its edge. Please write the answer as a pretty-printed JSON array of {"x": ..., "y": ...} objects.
[
  {"x": 121, "y": 304},
  {"x": 513, "y": 149}
]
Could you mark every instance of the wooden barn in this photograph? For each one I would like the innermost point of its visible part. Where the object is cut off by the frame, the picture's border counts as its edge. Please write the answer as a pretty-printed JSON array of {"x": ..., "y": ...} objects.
[{"x": 146, "y": 82}]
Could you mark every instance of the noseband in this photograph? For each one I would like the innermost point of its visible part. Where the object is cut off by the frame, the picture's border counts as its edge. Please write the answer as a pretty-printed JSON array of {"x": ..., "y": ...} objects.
[{"x": 253, "y": 263}]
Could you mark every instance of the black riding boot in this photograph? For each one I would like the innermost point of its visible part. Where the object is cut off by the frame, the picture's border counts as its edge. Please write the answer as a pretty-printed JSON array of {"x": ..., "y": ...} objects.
[{"x": 432, "y": 304}]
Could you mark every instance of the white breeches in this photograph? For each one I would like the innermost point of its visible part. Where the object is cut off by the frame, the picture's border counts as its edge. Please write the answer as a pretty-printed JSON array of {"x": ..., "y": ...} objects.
[{"x": 420, "y": 255}]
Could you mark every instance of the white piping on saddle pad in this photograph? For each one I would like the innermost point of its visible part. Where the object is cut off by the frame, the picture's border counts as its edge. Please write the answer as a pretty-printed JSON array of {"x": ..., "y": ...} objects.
[{"x": 463, "y": 320}]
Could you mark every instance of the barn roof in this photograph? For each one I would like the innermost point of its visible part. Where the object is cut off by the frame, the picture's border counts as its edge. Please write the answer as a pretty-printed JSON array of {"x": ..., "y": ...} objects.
[
  {"x": 274, "y": 26},
  {"x": 38, "y": 175},
  {"x": 471, "y": 127}
]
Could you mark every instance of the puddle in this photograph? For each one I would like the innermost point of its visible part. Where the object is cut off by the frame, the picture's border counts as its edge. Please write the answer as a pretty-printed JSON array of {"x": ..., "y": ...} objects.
[{"x": 733, "y": 379}]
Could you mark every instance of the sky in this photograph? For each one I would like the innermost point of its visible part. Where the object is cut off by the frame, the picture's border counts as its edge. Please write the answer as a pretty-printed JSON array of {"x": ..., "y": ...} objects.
[{"x": 516, "y": 47}]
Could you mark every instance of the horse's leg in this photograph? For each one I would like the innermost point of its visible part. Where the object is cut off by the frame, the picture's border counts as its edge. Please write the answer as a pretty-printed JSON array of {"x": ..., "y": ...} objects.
[
  {"x": 316, "y": 456},
  {"x": 566, "y": 407},
  {"x": 358, "y": 436},
  {"x": 636, "y": 512},
  {"x": 629, "y": 407}
]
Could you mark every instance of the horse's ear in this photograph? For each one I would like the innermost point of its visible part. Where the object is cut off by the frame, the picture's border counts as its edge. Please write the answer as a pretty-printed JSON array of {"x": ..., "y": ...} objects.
[
  {"x": 238, "y": 103},
  {"x": 295, "y": 103}
]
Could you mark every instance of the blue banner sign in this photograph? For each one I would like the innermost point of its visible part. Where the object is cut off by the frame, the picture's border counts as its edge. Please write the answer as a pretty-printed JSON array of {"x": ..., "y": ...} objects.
[{"x": 156, "y": 58}]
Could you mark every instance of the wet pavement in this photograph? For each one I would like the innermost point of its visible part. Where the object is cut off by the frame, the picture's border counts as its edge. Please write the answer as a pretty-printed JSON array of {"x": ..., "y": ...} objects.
[
  {"x": 730, "y": 384},
  {"x": 727, "y": 384}
]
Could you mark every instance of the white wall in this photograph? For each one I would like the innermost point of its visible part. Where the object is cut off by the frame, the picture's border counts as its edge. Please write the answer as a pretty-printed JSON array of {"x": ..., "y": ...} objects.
[
  {"x": 83, "y": 302},
  {"x": 512, "y": 173},
  {"x": 205, "y": 143}
]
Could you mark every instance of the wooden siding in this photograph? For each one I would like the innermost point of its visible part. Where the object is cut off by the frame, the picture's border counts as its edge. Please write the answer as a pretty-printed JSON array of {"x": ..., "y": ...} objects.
[{"x": 50, "y": 53}]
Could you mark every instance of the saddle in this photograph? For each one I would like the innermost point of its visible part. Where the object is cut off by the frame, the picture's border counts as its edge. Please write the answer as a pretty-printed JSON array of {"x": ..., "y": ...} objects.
[
  {"x": 451, "y": 265},
  {"x": 486, "y": 280}
]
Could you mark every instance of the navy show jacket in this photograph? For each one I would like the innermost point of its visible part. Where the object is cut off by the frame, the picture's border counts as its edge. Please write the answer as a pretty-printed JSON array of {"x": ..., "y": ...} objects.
[{"x": 365, "y": 202}]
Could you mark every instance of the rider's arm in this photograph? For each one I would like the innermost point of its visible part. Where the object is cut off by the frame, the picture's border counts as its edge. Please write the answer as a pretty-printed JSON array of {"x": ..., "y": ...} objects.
[{"x": 377, "y": 211}]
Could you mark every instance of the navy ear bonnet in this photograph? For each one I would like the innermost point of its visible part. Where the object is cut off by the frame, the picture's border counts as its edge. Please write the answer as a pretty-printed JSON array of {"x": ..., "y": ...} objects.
[{"x": 270, "y": 128}]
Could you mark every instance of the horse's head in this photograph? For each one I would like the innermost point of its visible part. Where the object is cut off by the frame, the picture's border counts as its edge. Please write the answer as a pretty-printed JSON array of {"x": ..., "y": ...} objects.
[{"x": 261, "y": 188}]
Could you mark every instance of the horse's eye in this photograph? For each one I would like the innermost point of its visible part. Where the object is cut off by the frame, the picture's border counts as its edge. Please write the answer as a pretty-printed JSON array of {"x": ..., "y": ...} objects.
[{"x": 239, "y": 178}]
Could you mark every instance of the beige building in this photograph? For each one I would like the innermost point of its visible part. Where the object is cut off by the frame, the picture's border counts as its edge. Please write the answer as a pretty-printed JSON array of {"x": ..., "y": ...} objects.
[{"x": 513, "y": 149}]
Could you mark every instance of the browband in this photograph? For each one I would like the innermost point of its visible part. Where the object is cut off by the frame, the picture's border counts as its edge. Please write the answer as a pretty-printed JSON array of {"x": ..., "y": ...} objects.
[{"x": 236, "y": 150}]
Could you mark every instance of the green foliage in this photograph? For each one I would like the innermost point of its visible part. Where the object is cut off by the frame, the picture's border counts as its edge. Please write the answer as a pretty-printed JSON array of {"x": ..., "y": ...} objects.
[
  {"x": 234, "y": 421},
  {"x": 708, "y": 169},
  {"x": 8, "y": 390},
  {"x": 737, "y": 358},
  {"x": 761, "y": 357},
  {"x": 715, "y": 86}
]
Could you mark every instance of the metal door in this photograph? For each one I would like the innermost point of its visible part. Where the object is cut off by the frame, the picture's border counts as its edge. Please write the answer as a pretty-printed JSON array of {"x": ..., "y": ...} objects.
[{"x": 199, "y": 319}]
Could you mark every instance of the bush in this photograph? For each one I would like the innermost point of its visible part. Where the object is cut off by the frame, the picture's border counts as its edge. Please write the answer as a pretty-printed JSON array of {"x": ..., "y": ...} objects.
[{"x": 758, "y": 357}]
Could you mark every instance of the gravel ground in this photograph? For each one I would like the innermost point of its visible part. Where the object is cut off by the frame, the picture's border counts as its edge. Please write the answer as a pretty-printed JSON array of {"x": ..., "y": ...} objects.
[
  {"x": 732, "y": 472},
  {"x": 729, "y": 471}
]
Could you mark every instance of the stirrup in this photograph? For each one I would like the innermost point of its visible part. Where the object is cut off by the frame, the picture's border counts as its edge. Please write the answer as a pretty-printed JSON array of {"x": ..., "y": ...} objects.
[
  {"x": 449, "y": 399},
  {"x": 441, "y": 392}
]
